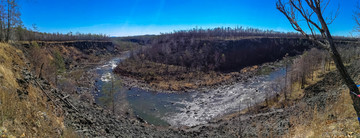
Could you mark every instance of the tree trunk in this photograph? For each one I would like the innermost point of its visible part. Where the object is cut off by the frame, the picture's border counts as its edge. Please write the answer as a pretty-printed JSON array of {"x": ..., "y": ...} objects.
[
  {"x": 340, "y": 65},
  {"x": 56, "y": 79},
  {"x": 303, "y": 81},
  {"x": 347, "y": 79},
  {"x": 324, "y": 66},
  {"x": 312, "y": 75},
  {"x": 291, "y": 83},
  {"x": 41, "y": 68},
  {"x": 344, "y": 74},
  {"x": 8, "y": 23},
  {"x": 1, "y": 29},
  {"x": 112, "y": 95},
  {"x": 328, "y": 43},
  {"x": 286, "y": 72}
]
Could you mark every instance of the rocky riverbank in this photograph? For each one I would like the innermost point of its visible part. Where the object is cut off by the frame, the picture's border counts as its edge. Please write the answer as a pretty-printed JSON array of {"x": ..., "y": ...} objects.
[
  {"x": 80, "y": 114},
  {"x": 90, "y": 120},
  {"x": 166, "y": 86},
  {"x": 304, "y": 117}
]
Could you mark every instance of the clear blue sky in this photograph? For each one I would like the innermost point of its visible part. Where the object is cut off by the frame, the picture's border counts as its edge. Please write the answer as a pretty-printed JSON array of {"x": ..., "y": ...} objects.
[{"x": 138, "y": 17}]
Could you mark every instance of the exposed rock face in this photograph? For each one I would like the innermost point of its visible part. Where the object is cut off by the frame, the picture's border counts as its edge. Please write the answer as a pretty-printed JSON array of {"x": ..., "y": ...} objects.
[
  {"x": 77, "y": 53},
  {"x": 249, "y": 52},
  {"x": 227, "y": 55},
  {"x": 87, "y": 47}
]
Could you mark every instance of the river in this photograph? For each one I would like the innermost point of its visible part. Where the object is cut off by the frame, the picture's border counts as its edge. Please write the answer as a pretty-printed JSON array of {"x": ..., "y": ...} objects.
[{"x": 192, "y": 108}]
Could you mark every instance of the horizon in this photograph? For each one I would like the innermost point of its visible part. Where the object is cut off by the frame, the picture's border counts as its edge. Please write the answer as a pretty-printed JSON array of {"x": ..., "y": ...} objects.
[{"x": 144, "y": 17}]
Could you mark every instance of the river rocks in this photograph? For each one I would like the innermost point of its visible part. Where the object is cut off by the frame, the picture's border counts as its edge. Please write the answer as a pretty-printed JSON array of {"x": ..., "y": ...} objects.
[
  {"x": 93, "y": 121},
  {"x": 24, "y": 83},
  {"x": 90, "y": 120}
]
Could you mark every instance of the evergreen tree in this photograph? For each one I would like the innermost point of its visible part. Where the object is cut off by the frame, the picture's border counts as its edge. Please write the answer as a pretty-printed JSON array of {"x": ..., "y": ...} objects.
[
  {"x": 59, "y": 65},
  {"x": 110, "y": 90}
]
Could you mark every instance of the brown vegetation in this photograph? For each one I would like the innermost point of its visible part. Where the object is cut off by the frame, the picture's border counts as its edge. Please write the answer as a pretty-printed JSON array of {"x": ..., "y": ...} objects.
[
  {"x": 232, "y": 50},
  {"x": 322, "y": 107},
  {"x": 307, "y": 70},
  {"x": 171, "y": 77},
  {"x": 172, "y": 60},
  {"x": 320, "y": 34},
  {"x": 25, "y": 111}
]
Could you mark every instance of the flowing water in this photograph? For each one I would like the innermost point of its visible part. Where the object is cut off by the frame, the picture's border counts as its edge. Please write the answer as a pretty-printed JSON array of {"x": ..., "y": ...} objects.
[{"x": 192, "y": 108}]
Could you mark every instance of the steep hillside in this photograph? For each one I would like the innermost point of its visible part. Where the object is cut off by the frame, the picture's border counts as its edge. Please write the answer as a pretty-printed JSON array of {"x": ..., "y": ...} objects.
[
  {"x": 25, "y": 110},
  {"x": 185, "y": 63},
  {"x": 34, "y": 88},
  {"x": 223, "y": 55},
  {"x": 31, "y": 106},
  {"x": 321, "y": 108}
]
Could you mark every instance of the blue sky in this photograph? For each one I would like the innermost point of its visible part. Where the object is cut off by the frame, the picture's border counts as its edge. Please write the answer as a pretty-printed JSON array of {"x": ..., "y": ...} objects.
[{"x": 138, "y": 17}]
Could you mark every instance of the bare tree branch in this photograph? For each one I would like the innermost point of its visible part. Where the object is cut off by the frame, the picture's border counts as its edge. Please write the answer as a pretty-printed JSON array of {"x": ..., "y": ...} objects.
[
  {"x": 293, "y": 21},
  {"x": 301, "y": 10},
  {"x": 326, "y": 39},
  {"x": 332, "y": 18},
  {"x": 327, "y": 4}
]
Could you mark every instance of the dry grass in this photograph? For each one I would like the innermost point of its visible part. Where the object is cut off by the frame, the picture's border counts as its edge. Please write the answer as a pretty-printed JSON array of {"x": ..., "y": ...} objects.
[
  {"x": 338, "y": 120},
  {"x": 296, "y": 93},
  {"x": 32, "y": 116}
]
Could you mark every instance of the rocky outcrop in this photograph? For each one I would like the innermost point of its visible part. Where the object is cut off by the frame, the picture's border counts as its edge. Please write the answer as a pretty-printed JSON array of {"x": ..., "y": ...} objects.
[
  {"x": 87, "y": 47},
  {"x": 248, "y": 52}
]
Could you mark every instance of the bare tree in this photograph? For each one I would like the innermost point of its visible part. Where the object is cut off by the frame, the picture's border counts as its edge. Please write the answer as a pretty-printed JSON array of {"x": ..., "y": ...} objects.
[
  {"x": 286, "y": 76},
  {"x": 311, "y": 11},
  {"x": 2, "y": 19},
  {"x": 357, "y": 18},
  {"x": 13, "y": 18}
]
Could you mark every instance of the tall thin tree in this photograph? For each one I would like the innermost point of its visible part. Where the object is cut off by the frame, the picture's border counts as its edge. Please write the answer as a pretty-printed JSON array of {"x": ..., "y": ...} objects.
[
  {"x": 13, "y": 18},
  {"x": 8, "y": 21},
  {"x": 312, "y": 13},
  {"x": 2, "y": 19},
  {"x": 110, "y": 91}
]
